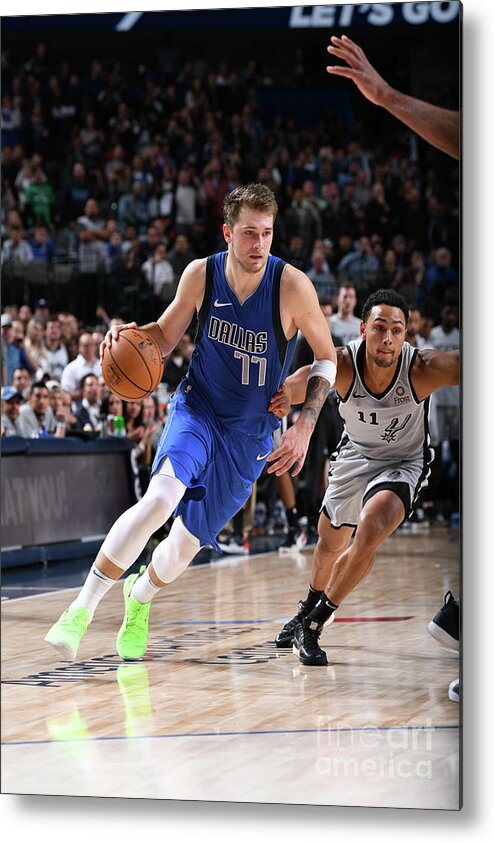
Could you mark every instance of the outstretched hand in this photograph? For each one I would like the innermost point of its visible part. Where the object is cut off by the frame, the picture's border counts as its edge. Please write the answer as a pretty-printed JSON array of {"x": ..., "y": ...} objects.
[
  {"x": 112, "y": 335},
  {"x": 360, "y": 70},
  {"x": 292, "y": 451}
]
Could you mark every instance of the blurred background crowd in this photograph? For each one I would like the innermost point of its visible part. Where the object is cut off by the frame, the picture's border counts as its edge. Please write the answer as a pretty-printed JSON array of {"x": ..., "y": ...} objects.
[{"x": 113, "y": 178}]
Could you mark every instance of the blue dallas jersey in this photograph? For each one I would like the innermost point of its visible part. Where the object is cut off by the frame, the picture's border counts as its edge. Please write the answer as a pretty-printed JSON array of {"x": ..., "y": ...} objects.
[{"x": 241, "y": 355}]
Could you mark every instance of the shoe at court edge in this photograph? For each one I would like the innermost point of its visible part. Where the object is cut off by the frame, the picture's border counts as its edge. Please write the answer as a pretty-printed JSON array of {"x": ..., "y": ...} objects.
[
  {"x": 306, "y": 636},
  {"x": 132, "y": 639},
  {"x": 66, "y": 634}
]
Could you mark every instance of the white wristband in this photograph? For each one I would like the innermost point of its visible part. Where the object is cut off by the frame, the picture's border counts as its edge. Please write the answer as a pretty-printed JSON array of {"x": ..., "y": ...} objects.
[{"x": 325, "y": 369}]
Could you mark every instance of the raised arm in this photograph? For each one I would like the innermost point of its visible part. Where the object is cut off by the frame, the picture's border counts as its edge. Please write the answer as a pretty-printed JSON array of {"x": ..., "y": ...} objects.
[
  {"x": 438, "y": 126},
  {"x": 434, "y": 369}
]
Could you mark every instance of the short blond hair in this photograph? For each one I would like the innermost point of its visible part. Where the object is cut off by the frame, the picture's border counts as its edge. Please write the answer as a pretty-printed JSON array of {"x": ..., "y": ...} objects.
[{"x": 255, "y": 196}]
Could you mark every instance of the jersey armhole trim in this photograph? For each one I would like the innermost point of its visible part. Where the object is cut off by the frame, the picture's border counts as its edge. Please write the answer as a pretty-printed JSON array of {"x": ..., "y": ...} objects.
[
  {"x": 281, "y": 339},
  {"x": 412, "y": 361},
  {"x": 206, "y": 301},
  {"x": 352, "y": 384}
]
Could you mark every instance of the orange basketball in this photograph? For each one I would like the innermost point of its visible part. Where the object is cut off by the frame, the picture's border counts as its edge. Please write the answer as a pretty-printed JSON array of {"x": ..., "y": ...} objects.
[{"x": 132, "y": 366}]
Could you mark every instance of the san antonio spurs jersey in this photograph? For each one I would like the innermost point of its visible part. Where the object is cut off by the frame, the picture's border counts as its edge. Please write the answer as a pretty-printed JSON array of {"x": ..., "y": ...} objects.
[{"x": 390, "y": 426}]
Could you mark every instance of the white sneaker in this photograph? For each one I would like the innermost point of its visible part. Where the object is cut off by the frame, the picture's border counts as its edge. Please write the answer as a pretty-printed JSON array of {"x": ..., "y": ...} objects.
[{"x": 454, "y": 690}]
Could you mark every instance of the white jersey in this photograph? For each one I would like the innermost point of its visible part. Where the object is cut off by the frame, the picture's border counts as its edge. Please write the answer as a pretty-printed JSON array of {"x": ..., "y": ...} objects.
[{"x": 392, "y": 426}]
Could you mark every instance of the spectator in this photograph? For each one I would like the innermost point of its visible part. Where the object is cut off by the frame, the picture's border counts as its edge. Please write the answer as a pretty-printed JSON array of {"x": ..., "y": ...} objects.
[
  {"x": 35, "y": 347},
  {"x": 321, "y": 275},
  {"x": 41, "y": 310},
  {"x": 177, "y": 362},
  {"x": 16, "y": 251},
  {"x": 440, "y": 276},
  {"x": 92, "y": 234},
  {"x": 36, "y": 417},
  {"x": 25, "y": 313},
  {"x": 86, "y": 362},
  {"x": 180, "y": 255},
  {"x": 77, "y": 191},
  {"x": 42, "y": 246},
  {"x": 12, "y": 401},
  {"x": 65, "y": 422},
  {"x": 413, "y": 327},
  {"x": 360, "y": 267},
  {"x": 302, "y": 222},
  {"x": 134, "y": 427},
  {"x": 14, "y": 354},
  {"x": 159, "y": 275},
  {"x": 89, "y": 414},
  {"x": 22, "y": 381},
  {"x": 215, "y": 186},
  {"x": 378, "y": 214},
  {"x": 186, "y": 201},
  {"x": 132, "y": 207},
  {"x": 298, "y": 254},
  {"x": 344, "y": 325},
  {"x": 56, "y": 353},
  {"x": 39, "y": 200},
  {"x": 147, "y": 246}
]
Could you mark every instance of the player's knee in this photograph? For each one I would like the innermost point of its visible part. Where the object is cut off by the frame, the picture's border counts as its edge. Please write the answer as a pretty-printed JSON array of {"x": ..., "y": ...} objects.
[
  {"x": 173, "y": 555},
  {"x": 370, "y": 528}
]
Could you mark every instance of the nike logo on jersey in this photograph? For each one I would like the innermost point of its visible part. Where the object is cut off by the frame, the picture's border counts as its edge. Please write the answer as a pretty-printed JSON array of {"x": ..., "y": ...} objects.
[
  {"x": 221, "y": 304},
  {"x": 260, "y": 457},
  {"x": 358, "y": 396}
]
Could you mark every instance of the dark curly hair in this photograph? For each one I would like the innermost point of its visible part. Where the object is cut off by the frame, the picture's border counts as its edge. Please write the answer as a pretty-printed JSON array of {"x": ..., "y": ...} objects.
[{"x": 385, "y": 296}]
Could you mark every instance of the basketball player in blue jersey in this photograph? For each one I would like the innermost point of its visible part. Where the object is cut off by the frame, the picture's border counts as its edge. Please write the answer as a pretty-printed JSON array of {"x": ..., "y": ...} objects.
[
  {"x": 219, "y": 431},
  {"x": 381, "y": 462}
]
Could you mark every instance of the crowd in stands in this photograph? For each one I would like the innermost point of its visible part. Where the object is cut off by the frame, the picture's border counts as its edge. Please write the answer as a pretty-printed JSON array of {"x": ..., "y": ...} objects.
[{"x": 117, "y": 176}]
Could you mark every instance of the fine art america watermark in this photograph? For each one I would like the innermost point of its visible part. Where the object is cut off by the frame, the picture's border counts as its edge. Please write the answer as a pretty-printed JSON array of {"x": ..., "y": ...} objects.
[{"x": 374, "y": 752}]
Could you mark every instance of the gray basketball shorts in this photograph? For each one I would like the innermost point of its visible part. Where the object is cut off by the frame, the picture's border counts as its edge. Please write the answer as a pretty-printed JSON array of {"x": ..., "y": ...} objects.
[{"x": 353, "y": 479}]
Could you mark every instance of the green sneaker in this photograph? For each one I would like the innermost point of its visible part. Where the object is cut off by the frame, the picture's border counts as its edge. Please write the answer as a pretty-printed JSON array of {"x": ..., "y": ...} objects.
[
  {"x": 132, "y": 639},
  {"x": 67, "y": 632}
]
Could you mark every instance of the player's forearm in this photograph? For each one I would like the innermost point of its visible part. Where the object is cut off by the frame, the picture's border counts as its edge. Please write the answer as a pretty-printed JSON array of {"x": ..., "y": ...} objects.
[
  {"x": 438, "y": 126},
  {"x": 157, "y": 334},
  {"x": 296, "y": 385},
  {"x": 317, "y": 391}
]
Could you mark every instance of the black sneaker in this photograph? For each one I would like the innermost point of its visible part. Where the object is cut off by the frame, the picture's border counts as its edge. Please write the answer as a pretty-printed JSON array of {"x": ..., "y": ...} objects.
[
  {"x": 445, "y": 626},
  {"x": 295, "y": 540},
  {"x": 285, "y": 637},
  {"x": 306, "y": 643}
]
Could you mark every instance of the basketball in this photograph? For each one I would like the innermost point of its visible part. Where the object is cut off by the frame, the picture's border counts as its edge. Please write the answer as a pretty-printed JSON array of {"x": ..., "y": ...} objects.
[{"x": 132, "y": 366}]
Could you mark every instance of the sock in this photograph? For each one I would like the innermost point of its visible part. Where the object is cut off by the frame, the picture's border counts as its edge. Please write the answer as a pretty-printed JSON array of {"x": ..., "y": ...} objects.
[
  {"x": 312, "y": 599},
  {"x": 93, "y": 590},
  {"x": 323, "y": 610},
  {"x": 292, "y": 518},
  {"x": 144, "y": 589}
]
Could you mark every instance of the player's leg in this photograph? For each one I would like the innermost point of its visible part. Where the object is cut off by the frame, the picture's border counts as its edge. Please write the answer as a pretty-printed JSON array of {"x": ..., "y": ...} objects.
[
  {"x": 170, "y": 558},
  {"x": 122, "y": 546},
  {"x": 330, "y": 545},
  {"x": 380, "y": 516}
]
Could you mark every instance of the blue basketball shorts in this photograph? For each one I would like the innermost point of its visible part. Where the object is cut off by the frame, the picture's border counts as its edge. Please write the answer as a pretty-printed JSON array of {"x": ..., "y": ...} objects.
[{"x": 218, "y": 466}]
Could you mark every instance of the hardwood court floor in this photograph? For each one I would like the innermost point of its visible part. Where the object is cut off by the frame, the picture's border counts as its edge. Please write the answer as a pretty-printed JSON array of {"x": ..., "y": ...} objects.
[{"x": 216, "y": 712}]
